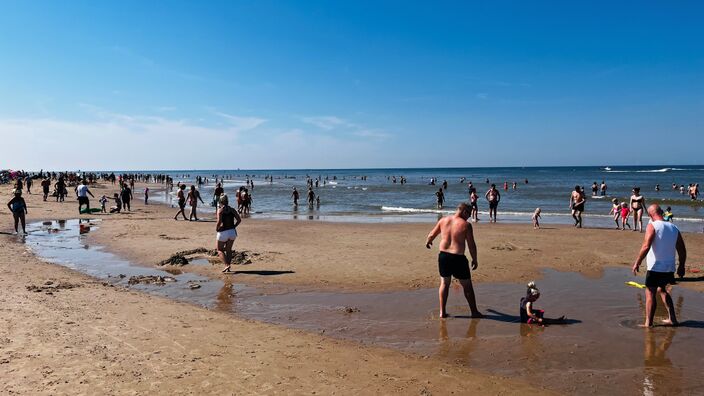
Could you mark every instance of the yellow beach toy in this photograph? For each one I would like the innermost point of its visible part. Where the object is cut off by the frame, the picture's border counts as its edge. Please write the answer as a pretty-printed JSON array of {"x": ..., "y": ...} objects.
[{"x": 635, "y": 284}]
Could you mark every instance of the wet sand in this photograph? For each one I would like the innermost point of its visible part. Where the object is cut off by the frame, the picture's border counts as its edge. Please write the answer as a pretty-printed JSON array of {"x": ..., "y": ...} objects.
[{"x": 368, "y": 259}]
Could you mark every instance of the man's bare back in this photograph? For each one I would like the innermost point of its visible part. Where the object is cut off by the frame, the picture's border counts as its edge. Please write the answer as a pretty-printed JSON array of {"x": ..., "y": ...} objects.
[{"x": 453, "y": 234}]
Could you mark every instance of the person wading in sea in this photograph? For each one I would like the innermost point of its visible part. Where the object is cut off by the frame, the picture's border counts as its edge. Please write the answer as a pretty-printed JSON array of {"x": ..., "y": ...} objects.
[{"x": 456, "y": 235}]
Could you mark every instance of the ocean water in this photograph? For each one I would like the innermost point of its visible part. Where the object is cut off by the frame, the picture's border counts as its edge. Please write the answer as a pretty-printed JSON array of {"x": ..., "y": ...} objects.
[{"x": 375, "y": 198}]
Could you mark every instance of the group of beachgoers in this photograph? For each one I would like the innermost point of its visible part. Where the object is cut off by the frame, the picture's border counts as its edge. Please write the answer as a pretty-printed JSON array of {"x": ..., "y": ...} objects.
[{"x": 662, "y": 242}]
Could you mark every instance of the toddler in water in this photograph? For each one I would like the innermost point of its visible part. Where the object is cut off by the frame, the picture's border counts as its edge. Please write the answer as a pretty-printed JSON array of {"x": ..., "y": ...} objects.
[
  {"x": 615, "y": 211},
  {"x": 531, "y": 315},
  {"x": 668, "y": 214},
  {"x": 536, "y": 219},
  {"x": 103, "y": 201},
  {"x": 625, "y": 211}
]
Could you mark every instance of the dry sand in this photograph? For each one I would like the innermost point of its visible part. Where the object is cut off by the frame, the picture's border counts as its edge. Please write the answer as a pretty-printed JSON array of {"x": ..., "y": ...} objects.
[
  {"x": 106, "y": 339},
  {"x": 66, "y": 333}
]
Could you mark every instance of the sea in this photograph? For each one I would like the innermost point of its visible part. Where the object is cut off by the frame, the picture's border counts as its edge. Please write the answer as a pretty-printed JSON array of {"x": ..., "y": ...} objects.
[{"x": 370, "y": 195}]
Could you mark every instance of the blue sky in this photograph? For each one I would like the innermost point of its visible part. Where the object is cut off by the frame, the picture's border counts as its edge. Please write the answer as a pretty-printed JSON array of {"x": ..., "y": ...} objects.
[{"x": 320, "y": 84}]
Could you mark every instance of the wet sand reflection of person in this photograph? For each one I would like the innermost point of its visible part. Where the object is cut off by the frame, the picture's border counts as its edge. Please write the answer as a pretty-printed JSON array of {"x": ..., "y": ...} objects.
[
  {"x": 225, "y": 300},
  {"x": 461, "y": 349}
]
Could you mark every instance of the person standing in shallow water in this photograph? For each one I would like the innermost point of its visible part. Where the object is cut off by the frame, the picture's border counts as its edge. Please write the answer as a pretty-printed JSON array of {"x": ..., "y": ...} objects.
[
  {"x": 637, "y": 207},
  {"x": 494, "y": 197},
  {"x": 18, "y": 207},
  {"x": 456, "y": 234},
  {"x": 226, "y": 227},
  {"x": 662, "y": 240},
  {"x": 577, "y": 205}
]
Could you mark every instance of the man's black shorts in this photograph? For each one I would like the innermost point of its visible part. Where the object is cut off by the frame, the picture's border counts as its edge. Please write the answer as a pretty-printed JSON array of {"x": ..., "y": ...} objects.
[
  {"x": 493, "y": 204},
  {"x": 455, "y": 265},
  {"x": 659, "y": 279},
  {"x": 82, "y": 200}
]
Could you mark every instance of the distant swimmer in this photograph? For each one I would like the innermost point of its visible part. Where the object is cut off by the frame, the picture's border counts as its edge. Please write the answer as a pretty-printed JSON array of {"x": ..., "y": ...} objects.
[
  {"x": 577, "y": 205},
  {"x": 294, "y": 195},
  {"x": 505, "y": 186},
  {"x": 444, "y": 184},
  {"x": 440, "y": 196},
  {"x": 603, "y": 188},
  {"x": 456, "y": 234},
  {"x": 494, "y": 197},
  {"x": 595, "y": 189},
  {"x": 662, "y": 240},
  {"x": 657, "y": 188}
]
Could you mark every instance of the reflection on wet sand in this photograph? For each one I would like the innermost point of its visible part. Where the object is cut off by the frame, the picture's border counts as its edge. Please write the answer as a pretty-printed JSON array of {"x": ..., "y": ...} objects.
[{"x": 602, "y": 351}]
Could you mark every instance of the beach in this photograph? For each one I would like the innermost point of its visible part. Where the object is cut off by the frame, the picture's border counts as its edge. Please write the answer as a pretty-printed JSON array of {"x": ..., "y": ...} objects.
[{"x": 70, "y": 332}]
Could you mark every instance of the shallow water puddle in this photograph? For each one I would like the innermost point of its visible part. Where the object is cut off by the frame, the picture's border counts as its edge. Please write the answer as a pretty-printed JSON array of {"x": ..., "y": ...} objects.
[{"x": 600, "y": 351}]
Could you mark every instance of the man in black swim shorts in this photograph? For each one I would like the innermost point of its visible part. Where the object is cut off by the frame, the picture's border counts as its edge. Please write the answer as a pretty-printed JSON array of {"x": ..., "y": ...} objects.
[{"x": 456, "y": 234}]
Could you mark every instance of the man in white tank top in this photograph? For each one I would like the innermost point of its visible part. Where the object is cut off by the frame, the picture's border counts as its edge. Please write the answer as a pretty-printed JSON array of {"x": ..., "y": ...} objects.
[{"x": 662, "y": 240}]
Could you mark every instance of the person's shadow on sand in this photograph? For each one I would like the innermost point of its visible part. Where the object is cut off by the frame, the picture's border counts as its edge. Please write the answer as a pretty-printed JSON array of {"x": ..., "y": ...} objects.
[
  {"x": 263, "y": 272},
  {"x": 503, "y": 317}
]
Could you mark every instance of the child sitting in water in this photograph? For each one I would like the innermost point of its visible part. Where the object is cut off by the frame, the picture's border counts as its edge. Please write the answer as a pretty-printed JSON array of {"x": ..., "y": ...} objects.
[
  {"x": 668, "y": 214},
  {"x": 118, "y": 204},
  {"x": 531, "y": 315},
  {"x": 103, "y": 201},
  {"x": 536, "y": 219},
  {"x": 615, "y": 211},
  {"x": 625, "y": 211}
]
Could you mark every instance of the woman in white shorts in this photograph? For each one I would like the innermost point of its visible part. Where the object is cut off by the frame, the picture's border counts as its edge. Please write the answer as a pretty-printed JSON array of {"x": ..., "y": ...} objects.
[{"x": 228, "y": 220}]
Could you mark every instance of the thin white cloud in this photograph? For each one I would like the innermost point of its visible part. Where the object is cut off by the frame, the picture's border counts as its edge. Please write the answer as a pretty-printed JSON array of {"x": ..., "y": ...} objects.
[
  {"x": 482, "y": 96},
  {"x": 241, "y": 124},
  {"x": 370, "y": 133},
  {"x": 327, "y": 122}
]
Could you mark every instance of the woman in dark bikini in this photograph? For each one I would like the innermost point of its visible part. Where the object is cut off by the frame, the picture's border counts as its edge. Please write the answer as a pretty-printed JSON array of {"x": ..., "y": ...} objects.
[
  {"x": 637, "y": 205},
  {"x": 181, "y": 202}
]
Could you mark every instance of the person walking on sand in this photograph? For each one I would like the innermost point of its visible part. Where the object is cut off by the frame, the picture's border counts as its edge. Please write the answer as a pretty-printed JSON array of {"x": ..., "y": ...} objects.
[
  {"x": 181, "y": 197},
  {"x": 126, "y": 196},
  {"x": 662, "y": 240},
  {"x": 456, "y": 234},
  {"x": 494, "y": 197},
  {"x": 577, "y": 205},
  {"x": 82, "y": 193},
  {"x": 46, "y": 183},
  {"x": 18, "y": 207},
  {"x": 226, "y": 227},
  {"x": 193, "y": 198}
]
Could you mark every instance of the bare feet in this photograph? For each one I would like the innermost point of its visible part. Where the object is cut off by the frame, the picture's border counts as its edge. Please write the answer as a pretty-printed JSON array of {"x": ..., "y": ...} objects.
[
  {"x": 477, "y": 315},
  {"x": 668, "y": 322},
  {"x": 444, "y": 315},
  {"x": 645, "y": 326},
  {"x": 226, "y": 270}
]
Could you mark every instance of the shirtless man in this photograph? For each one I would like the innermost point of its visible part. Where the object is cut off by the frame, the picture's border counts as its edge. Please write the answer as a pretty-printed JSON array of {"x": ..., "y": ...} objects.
[
  {"x": 577, "y": 205},
  {"x": 494, "y": 197},
  {"x": 454, "y": 232}
]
